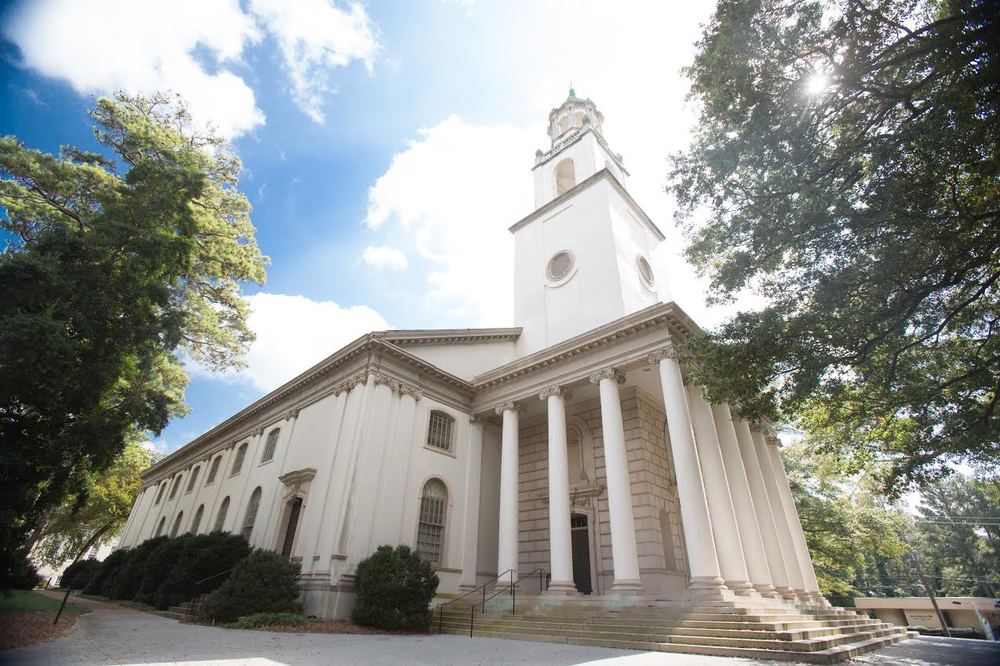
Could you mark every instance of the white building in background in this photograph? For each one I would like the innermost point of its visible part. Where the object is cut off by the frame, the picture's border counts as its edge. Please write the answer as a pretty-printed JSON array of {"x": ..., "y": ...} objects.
[{"x": 570, "y": 443}]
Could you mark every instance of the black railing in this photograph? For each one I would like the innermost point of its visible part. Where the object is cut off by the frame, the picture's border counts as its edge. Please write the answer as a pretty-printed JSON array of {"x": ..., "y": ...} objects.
[
  {"x": 511, "y": 587},
  {"x": 469, "y": 594}
]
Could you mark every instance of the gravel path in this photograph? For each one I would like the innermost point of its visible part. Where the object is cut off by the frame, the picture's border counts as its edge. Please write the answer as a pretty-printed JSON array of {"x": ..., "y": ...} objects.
[{"x": 116, "y": 635}]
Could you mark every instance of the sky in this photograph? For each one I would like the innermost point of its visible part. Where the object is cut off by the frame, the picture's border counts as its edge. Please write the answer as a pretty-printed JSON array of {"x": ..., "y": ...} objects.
[{"x": 387, "y": 146}]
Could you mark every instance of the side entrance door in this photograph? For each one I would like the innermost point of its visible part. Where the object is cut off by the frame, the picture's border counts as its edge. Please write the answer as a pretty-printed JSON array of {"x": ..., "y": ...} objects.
[{"x": 580, "y": 537}]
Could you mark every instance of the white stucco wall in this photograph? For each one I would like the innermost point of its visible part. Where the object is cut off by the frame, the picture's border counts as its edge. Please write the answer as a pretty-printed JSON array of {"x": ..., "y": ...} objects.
[{"x": 466, "y": 360}]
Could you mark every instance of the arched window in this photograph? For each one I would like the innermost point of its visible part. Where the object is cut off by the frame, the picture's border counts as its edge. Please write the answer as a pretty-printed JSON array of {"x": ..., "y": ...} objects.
[
  {"x": 430, "y": 529},
  {"x": 193, "y": 479},
  {"x": 439, "y": 431},
  {"x": 251, "y": 514},
  {"x": 196, "y": 523},
  {"x": 159, "y": 495},
  {"x": 294, "y": 509},
  {"x": 213, "y": 470},
  {"x": 272, "y": 444},
  {"x": 159, "y": 528},
  {"x": 177, "y": 524},
  {"x": 220, "y": 517},
  {"x": 565, "y": 176},
  {"x": 173, "y": 488},
  {"x": 241, "y": 453}
]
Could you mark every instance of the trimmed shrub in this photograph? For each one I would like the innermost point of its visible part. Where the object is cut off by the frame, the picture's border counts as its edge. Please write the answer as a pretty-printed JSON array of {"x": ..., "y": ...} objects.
[
  {"x": 125, "y": 582},
  {"x": 101, "y": 581},
  {"x": 258, "y": 620},
  {"x": 393, "y": 589},
  {"x": 158, "y": 567},
  {"x": 198, "y": 565},
  {"x": 263, "y": 582},
  {"x": 77, "y": 575}
]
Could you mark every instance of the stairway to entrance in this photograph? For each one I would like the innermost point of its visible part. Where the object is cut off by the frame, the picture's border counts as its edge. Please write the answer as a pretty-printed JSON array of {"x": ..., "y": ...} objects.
[{"x": 759, "y": 629}]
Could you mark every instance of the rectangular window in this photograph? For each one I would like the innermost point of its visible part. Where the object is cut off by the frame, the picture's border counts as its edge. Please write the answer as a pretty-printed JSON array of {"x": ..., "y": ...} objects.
[
  {"x": 430, "y": 532},
  {"x": 439, "y": 431}
]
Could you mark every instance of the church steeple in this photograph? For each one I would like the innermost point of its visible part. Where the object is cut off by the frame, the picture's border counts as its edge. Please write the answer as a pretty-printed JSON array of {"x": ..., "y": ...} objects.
[{"x": 578, "y": 149}]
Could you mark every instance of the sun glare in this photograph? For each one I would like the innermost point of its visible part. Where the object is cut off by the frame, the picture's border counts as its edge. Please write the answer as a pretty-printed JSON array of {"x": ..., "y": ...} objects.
[{"x": 817, "y": 84}]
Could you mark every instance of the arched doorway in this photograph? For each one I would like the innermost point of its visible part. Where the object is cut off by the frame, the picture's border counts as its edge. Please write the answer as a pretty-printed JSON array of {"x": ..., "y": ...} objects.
[
  {"x": 580, "y": 538},
  {"x": 294, "y": 509}
]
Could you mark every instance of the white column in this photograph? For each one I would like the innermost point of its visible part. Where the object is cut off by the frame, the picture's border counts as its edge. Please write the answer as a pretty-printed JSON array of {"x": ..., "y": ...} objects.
[
  {"x": 795, "y": 579},
  {"x": 473, "y": 472},
  {"x": 703, "y": 561},
  {"x": 560, "y": 546},
  {"x": 792, "y": 514},
  {"x": 762, "y": 506},
  {"x": 507, "y": 543},
  {"x": 732, "y": 564},
  {"x": 624, "y": 553},
  {"x": 739, "y": 489}
]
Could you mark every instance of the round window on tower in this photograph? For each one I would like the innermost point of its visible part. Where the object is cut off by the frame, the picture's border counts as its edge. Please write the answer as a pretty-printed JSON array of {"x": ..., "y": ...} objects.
[
  {"x": 645, "y": 271},
  {"x": 560, "y": 266}
]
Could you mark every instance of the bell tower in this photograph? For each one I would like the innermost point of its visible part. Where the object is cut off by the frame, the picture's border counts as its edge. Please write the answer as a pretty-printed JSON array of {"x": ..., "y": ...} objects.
[{"x": 582, "y": 258}]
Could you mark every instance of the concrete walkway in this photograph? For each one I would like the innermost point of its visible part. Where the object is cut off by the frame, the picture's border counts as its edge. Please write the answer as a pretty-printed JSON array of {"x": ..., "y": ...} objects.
[{"x": 116, "y": 635}]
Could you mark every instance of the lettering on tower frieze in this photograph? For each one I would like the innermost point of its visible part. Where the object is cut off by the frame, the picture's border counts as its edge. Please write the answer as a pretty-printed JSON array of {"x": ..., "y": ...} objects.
[
  {"x": 560, "y": 391},
  {"x": 507, "y": 407},
  {"x": 608, "y": 373}
]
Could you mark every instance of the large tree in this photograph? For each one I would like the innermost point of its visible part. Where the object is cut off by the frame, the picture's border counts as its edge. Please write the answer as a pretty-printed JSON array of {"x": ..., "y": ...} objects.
[
  {"x": 120, "y": 262},
  {"x": 846, "y": 168}
]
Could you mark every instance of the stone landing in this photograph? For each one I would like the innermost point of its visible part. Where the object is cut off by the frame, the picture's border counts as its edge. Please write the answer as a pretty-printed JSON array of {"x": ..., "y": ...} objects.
[{"x": 751, "y": 628}]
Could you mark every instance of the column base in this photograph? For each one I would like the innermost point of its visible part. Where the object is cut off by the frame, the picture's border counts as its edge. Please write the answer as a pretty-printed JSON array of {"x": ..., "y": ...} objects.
[
  {"x": 742, "y": 588},
  {"x": 710, "y": 587},
  {"x": 767, "y": 591},
  {"x": 562, "y": 588},
  {"x": 626, "y": 586},
  {"x": 786, "y": 593},
  {"x": 803, "y": 596}
]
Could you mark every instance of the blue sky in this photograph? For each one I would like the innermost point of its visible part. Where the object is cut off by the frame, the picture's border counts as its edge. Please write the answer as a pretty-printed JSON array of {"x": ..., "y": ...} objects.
[{"x": 387, "y": 146}]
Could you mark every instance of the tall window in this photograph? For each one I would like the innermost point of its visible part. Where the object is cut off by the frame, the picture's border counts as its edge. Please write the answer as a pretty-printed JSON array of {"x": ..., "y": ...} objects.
[
  {"x": 173, "y": 488},
  {"x": 194, "y": 477},
  {"x": 220, "y": 517},
  {"x": 251, "y": 514},
  {"x": 177, "y": 524},
  {"x": 241, "y": 453},
  {"x": 294, "y": 509},
  {"x": 159, "y": 528},
  {"x": 213, "y": 470},
  {"x": 565, "y": 176},
  {"x": 196, "y": 523},
  {"x": 159, "y": 495},
  {"x": 430, "y": 529},
  {"x": 439, "y": 431},
  {"x": 272, "y": 443}
]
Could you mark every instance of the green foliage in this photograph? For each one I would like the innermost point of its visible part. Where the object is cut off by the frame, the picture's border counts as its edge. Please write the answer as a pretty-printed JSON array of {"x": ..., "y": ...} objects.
[
  {"x": 118, "y": 263},
  {"x": 862, "y": 208},
  {"x": 96, "y": 513},
  {"x": 100, "y": 583},
  {"x": 393, "y": 589},
  {"x": 200, "y": 557},
  {"x": 158, "y": 568},
  {"x": 258, "y": 620},
  {"x": 128, "y": 573},
  {"x": 263, "y": 582},
  {"x": 18, "y": 574},
  {"x": 25, "y": 600},
  {"x": 79, "y": 574}
]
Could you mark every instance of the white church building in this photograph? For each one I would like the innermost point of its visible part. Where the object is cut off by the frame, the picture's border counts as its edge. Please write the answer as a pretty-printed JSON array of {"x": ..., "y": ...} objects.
[{"x": 570, "y": 443}]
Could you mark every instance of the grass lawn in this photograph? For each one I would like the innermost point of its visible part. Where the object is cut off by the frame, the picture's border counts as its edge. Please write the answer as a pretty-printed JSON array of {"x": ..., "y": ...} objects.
[{"x": 24, "y": 600}]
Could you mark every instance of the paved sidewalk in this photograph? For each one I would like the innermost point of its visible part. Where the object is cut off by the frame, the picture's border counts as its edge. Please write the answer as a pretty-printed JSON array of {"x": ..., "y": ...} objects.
[{"x": 116, "y": 635}]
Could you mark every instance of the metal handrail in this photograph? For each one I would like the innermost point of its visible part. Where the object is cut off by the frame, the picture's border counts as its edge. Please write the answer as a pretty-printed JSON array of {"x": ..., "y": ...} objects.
[
  {"x": 513, "y": 589},
  {"x": 469, "y": 593}
]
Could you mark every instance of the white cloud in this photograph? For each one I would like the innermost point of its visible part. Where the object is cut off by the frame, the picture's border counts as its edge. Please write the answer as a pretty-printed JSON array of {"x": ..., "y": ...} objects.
[
  {"x": 102, "y": 46},
  {"x": 383, "y": 256},
  {"x": 294, "y": 333},
  {"x": 315, "y": 36},
  {"x": 456, "y": 189}
]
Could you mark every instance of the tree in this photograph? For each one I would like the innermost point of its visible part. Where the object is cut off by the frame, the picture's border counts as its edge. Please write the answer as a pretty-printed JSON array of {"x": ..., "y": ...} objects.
[
  {"x": 97, "y": 513},
  {"x": 393, "y": 589},
  {"x": 120, "y": 262},
  {"x": 848, "y": 159}
]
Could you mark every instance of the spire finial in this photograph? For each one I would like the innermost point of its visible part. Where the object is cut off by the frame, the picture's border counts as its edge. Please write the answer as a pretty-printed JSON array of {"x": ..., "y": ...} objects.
[{"x": 572, "y": 93}]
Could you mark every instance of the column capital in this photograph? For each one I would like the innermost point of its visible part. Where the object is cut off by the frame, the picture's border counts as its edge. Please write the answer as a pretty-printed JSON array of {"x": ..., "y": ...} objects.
[
  {"x": 507, "y": 407},
  {"x": 772, "y": 439},
  {"x": 412, "y": 391},
  {"x": 558, "y": 391},
  {"x": 670, "y": 351},
  {"x": 607, "y": 373}
]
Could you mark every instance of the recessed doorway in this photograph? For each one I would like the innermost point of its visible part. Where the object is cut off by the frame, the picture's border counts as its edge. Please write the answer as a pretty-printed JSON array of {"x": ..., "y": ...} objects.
[{"x": 580, "y": 537}]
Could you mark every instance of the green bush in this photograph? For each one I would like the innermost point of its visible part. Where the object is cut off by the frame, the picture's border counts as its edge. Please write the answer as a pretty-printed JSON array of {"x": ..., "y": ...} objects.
[
  {"x": 258, "y": 620},
  {"x": 77, "y": 575},
  {"x": 101, "y": 581},
  {"x": 393, "y": 589},
  {"x": 197, "y": 566},
  {"x": 158, "y": 567},
  {"x": 263, "y": 582},
  {"x": 18, "y": 573},
  {"x": 124, "y": 582}
]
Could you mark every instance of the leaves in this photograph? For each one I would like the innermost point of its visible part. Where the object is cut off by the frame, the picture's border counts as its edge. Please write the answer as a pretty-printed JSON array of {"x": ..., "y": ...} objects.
[{"x": 864, "y": 212}]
